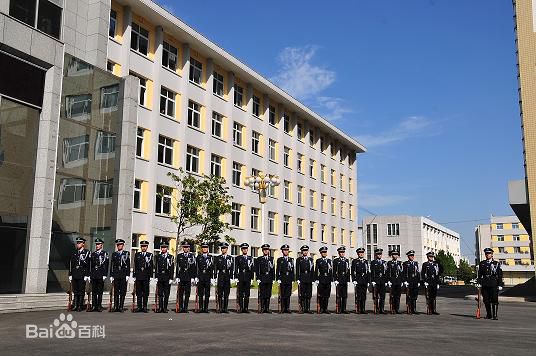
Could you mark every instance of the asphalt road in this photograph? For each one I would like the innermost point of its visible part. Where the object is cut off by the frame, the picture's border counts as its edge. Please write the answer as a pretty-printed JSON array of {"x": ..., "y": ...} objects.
[{"x": 455, "y": 331}]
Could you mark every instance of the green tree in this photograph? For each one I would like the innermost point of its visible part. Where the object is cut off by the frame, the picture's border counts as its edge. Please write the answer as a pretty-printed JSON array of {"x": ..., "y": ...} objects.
[
  {"x": 448, "y": 263},
  {"x": 465, "y": 272}
]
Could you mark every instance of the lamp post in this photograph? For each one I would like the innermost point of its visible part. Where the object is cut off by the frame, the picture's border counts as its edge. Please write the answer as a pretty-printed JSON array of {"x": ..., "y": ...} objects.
[{"x": 261, "y": 183}]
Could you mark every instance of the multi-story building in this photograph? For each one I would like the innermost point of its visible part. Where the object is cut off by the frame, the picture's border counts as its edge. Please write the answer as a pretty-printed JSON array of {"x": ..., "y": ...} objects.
[
  {"x": 522, "y": 193},
  {"x": 511, "y": 246},
  {"x": 103, "y": 99},
  {"x": 404, "y": 233}
]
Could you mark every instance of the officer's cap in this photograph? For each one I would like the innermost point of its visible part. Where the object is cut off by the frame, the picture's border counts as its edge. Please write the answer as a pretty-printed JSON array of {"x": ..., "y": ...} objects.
[
  {"x": 265, "y": 247},
  {"x": 341, "y": 249},
  {"x": 204, "y": 244},
  {"x": 244, "y": 245},
  {"x": 410, "y": 253},
  {"x": 285, "y": 247},
  {"x": 360, "y": 250},
  {"x": 304, "y": 248},
  {"x": 323, "y": 249},
  {"x": 99, "y": 241},
  {"x": 144, "y": 243},
  {"x": 80, "y": 240},
  {"x": 488, "y": 250},
  {"x": 378, "y": 251},
  {"x": 224, "y": 245},
  {"x": 164, "y": 244},
  {"x": 431, "y": 253},
  {"x": 119, "y": 241}
]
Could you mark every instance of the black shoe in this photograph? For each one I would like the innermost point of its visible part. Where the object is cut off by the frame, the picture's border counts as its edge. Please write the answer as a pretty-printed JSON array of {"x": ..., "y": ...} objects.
[{"x": 145, "y": 310}]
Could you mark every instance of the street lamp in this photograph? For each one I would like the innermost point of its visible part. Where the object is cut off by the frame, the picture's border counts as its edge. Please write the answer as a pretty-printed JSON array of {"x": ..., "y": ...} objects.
[{"x": 261, "y": 183}]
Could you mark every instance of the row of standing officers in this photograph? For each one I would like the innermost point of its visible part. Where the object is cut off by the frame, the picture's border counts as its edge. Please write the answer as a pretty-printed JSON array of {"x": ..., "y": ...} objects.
[{"x": 205, "y": 270}]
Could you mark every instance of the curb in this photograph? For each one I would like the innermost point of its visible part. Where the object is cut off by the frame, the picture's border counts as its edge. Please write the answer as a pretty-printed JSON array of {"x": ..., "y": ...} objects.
[{"x": 505, "y": 299}]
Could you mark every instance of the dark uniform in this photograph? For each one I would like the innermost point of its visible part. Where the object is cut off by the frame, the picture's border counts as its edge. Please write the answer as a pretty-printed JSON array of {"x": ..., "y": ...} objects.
[
  {"x": 305, "y": 270},
  {"x": 323, "y": 278},
  {"x": 490, "y": 279},
  {"x": 99, "y": 263},
  {"x": 224, "y": 268},
  {"x": 79, "y": 274},
  {"x": 341, "y": 276},
  {"x": 431, "y": 270},
  {"x": 143, "y": 273},
  {"x": 285, "y": 275},
  {"x": 186, "y": 271},
  {"x": 412, "y": 277},
  {"x": 394, "y": 280},
  {"x": 205, "y": 275},
  {"x": 244, "y": 269},
  {"x": 378, "y": 279},
  {"x": 120, "y": 271},
  {"x": 165, "y": 267},
  {"x": 361, "y": 279},
  {"x": 265, "y": 274}
]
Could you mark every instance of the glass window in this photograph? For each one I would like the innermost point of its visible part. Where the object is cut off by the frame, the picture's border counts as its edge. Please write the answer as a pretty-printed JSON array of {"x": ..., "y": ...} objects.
[
  {"x": 169, "y": 56},
  {"x": 271, "y": 116},
  {"x": 23, "y": 10},
  {"x": 167, "y": 102},
  {"x": 299, "y": 194},
  {"x": 75, "y": 149},
  {"x": 103, "y": 192},
  {"x": 299, "y": 226},
  {"x": 196, "y": 71},
  {"x": 311, "y": 138},
  {"x": 109, "y": 97},
  {"x": 238, "y": 95},
  {"x": 112, "y": 29},
  {"x": 139, "y": 39},
  {"x": 515, "y": 226},
  {"x": 237, "y": 174},
  {"x": 105, "y": 145},
  {"x": 192, "y": 159},
  {"x": 137, "y": 194},
  {"x": 516, "y": 238},
  {"x": 256, "y": 106},
  {"x": 139, "y": 142},
  {"x": 312, "y": 168},
  {"x": 255, "y": 141},
  {"x": 299, "y": 162},
  {"x": 312, "y": 199},
  {"x": 165, "y": 150},
  {"x": 272, "y": 149},
  {"x": 287, "y": 190},
  {"x": 255, "y": 219},
  {"x": 271, "y": 222},
  {"x": 237, "y": 134},
  {"x": 217, "y": 122},
  {"x": 218, "y": 86},
  {"x": 72, "y": 190},
  {"x": 163, "y": 199},
  {"x": 499, "y": 226},
  {"x": 235, "y": 214},
  {"x": 312, "y": 230},
  {"x": 500, "y": 238},
  {"x": 299, "y": 130},
  {"x": 78, "y": 107},
  {"x": 215, "y": 165},
  {"x": 49, "y": 18},
  {"x": 194, "y": 114},
  {"x": 286, "y": 123},
  {"x": 323, "y": 173},
  {"x": 286, "y": 225},
  {"x": 286, "y": 156}
]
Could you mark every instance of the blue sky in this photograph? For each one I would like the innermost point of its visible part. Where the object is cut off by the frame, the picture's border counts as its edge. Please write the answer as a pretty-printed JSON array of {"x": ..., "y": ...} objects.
[{"x": 428, "y": 86}]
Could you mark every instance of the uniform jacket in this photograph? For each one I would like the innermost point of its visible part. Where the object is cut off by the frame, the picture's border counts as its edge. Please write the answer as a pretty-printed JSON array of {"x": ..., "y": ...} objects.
[
  {"x": 490, "y": 274},
  {"x": 431, "y": 271},
  {"x": 205, "y": 267},
  {"x": 341, "y": 270},
  {"x": 186, "y": 266},
  {"x": 410, "y": 272},
  {"x": 378, "y": 271},
  {"x": 79, "y": 264},
  {"x": 99, "y": 263},
  {"x": 305, "y": 269},
  {"x": 165, "y": 267},
  {"x": 394, "y": 272},
  {"x": 324, "y": 270},
  {"x": 120, "y": 264},
  {"x": 225, "y": 266},
  {"x": 265, "y": 269},
  {"x": 285, "y": 270},
  {"x": 143, "y": 266},
  {"x": 244, "y": 268},
  {"x": 361, "y": 271}
]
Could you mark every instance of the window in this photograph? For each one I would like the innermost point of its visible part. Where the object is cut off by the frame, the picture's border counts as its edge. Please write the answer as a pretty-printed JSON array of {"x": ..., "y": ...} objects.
[
  {"x": 110, "y": 66},
  {"x": 139, "y": 39},
  {"x": 256, "y": 106},
  {"x": 167, "y": 102},
  {"x": 323, "y": 173},
  {"x": 312, "y": 168},
  {"x": 515, "y": 226},
  {"x": 237, "y": 134},
  {"x": 323, "y": 233},
  {"x": 393, "y": 248},
  {"x": 272, "y": 191},
  {"x": 271, "y": 222},
  {"x": 235, "y": 250},
  {"x": 312, "y": 225},
  {"x": 322, "y": 144},
  {"x": 350, "y": 185},
  {"x": 333, "y": 150},
  {"x": 165, "y": 150},
  {"x": 217, "y": 84},
  {"x": 196, "y": 71},
  {"x": 286, "y": 156},
  {"x": 500, "y": 238},
  {"x": 286, "y": 123},
  {"x": 215, "y": 165},
  {"x": 271, "y": 116},
  {"x": 48, "y": 18},
  {"x": 78, "y": 107},
  {"x": 299, "y": 194},
  {"x": 299, "y": 162},
  {"x": 163, "y": 200},
  {"x": 75, "y": 149},
  {"x": 333, "y": 206},
  {"x": 311, "y": 138},
  {"x": 272, "y": 149},
  {"x": 235, "y": 214},
  {"x": 142, "y": 90},
  {"x": 286, "y": 184},
  {"x": 237, "y": 174},
  {"x": 217, "y": 124},
  {"x": 72, "y": 190},
  {"x": 501, "y": 250},
  {"x": 499, "y": 226},
  {"x": 192, "y": 159},
  {"x": 332, "y": 177},
  {"x": 23, "y": 10},
  {"x": 286, "y": 225},
  {"x": 194, "y": 114},
  {"x": 137, "y": 194},
  {"x": 516, "y": 238},
  {"x": 333, "y": 235},
  {"x": 102, "y": 192},
  {"x": 517, "y": 262},
  {"x": 238, "y": 95},
  {"x": 299, "y": 131},
  {"x": 517, "y": 249},
  {"x": 105, "y": 145},
  {"x": 342, "y": 157},
  {"x": 255, "y": 141},
  {"x": 312, "y": 195},
  {"x": 255, "y": 219},
  {"x": 299, "y": 225},
  {"x": 139, "y": 142},
  {"x": 342, "y": 210},
  {"x": 109, "y": 97},
  {"x": 393, "y": 230},
  {"x": 341, "y": 181},
  {"x": 323, "y": 202},
  {"x": 351, "y": 212},
  {"x": 169, "y": 56}
]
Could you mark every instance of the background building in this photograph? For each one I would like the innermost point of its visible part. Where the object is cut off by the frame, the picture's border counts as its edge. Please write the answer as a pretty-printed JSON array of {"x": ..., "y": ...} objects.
[
  {"x": 404, "y": 233},
  {"x": 511, "y": 246},
  {"x": 523, "y": 192}
]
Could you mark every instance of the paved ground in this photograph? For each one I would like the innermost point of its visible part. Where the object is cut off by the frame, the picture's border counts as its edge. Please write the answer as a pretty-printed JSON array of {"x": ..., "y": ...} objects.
[{"x": 455, "y": 331}]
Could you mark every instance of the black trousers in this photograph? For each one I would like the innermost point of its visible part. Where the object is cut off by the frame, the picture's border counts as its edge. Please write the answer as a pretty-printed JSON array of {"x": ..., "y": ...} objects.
[
  {"x": 79, "y": 287},
  {"x": 305, "y": 292},
  {"x": 360, "y": 293},
  {"x": 97, "y": 288},
  {"x": 431, "y": 290},
  {"x": 120, "y": 290},
  {"x": 342, "y": 294},
  {"x": 142, "y": 293},
  {"x": 378, "y": 294},
  {"x": 396, "y": 292},
  {"x": 185, "y": 289},
  {"x": 203, "y": 292},
  {"x": 265, "y": 289},
  {"x": 490, "y": 295},
  {"x": 223, "y": 290},
  {"x": 324, "y": 292},
  {"x": 286, "y": 292},
  {"x": 163, "y": 293},
  {"x": 413, "y": 291}
]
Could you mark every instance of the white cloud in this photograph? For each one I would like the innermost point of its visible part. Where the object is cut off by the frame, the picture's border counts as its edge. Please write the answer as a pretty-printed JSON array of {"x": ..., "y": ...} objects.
[
  {"x": 298, "y": 76},
  {"x": 408, "y": 128},
  {"x": 332, "y": 108}
]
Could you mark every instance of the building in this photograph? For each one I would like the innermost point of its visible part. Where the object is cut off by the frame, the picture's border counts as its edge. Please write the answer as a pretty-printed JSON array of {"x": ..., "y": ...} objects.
[
  {"x": 522, "y": 193},
  {"x": 404, "y": 233},
  {"x": 115, "y": 95},
  {"x": 511, "y": 246}
]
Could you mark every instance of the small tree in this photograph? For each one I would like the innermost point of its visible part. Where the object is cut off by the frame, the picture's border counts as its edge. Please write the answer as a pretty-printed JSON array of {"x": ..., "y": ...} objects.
[
  {"x": 465, "y": 272},
  {"x": 448, "y": 263}
]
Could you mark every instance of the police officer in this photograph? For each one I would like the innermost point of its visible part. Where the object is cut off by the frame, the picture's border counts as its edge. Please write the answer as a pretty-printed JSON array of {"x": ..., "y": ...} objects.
[
  {"x": 205, "y": 277},
  {"x": 431, "y": 270},
  {"x": 360, "y": 279},
  {"x": 79, "y": 269},
  {"x": 490, "y": 279},
  {"x": 244, "y": 269},
  {"x": 224, "y": 266},
  {"x": 394, "y": 281},
  {"x": 99, "y": 262},
  {"x": 378, "y": 278},
  {"x": 185, "y": 276},
  {"x": 285, "y": 276},
  {"x": 265, "y": 273},
  {"x": 165, "y": 267},
  {"x": 341, "y": 277},
  {"x": 305, "y": 270},
  {"x": 412, "y": 277},
  {"x": 143, "y": 275},
  {"x": 119, "y": 274},
  {"x": 323, "y": 279}
]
